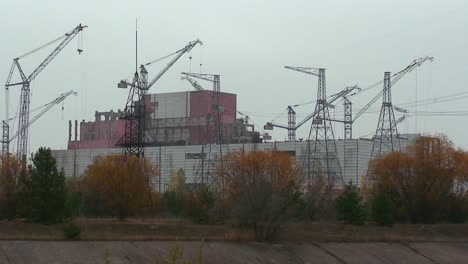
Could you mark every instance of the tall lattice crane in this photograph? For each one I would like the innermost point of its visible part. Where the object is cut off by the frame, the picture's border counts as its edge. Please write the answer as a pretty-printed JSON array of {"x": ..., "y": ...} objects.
[
  {"x": 321, "y": 155},
  {"x": 351, "y": 91},
  {"x": 135, "y": 108},
  {"x": 23, "y": 125}
]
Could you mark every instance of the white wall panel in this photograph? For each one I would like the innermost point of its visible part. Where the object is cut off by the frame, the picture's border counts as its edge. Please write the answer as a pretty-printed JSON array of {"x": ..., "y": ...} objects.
[{"x": 353, "y": 154}]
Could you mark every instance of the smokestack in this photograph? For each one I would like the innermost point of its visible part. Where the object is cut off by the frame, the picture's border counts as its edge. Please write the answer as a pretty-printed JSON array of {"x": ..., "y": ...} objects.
[
  {"x": 76, "y": 131},
  {"x": 69, "y": 130}
]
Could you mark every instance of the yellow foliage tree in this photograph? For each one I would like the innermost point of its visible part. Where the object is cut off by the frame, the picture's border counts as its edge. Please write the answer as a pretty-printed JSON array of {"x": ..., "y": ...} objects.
[
  {"x": 122, "y": 183},
  {"x": 177, "y": 182},
  {"x": 422, "y": 180},
  {"x": 262, "y": 188}
]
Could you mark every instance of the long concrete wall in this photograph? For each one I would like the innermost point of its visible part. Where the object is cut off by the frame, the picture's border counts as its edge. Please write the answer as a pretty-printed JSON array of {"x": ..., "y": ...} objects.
[{"x": 353, "y": 155}]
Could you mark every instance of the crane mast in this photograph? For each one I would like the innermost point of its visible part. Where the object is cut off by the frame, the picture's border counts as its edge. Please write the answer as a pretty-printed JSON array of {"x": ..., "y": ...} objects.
[
  {"x": 291, "y": 124},
  {"x": 135, "y": 109},
  {"x": 214, "y": 131},
  {"x": 23, "y": 131}
]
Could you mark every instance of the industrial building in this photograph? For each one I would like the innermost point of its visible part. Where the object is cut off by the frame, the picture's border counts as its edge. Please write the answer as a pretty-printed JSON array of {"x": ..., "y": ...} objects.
[
  {"x": 179, "y": 118},
  {"x": 176, "y": 129}
]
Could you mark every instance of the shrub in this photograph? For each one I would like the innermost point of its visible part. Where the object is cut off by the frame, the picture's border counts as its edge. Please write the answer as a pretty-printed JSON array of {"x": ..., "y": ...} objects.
[
  {"x": 174, "y": 203},
  {"x": 120, "y": 184},
  {"x": 383, "y": 210},
  {"x": 203, "y": 208},
  {"x": 262, "y": 189},
  {"x": 71, "y": 231},
  {"x": 350, "y": 207},
  {"x": 457, "y": 209}
]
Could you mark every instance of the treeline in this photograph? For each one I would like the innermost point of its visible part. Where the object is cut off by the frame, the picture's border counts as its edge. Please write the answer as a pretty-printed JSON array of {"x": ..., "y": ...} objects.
[
  {"x": 37, "y": 193},
  {"x": 260, "y": 190}
]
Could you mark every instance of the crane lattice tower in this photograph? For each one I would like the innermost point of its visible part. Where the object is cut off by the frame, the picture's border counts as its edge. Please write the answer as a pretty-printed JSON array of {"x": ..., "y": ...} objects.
[
  {"x": 321, "y": 153},
  {"x": 212, "y": 148},
  {"x": 291, "y": 124},
  {"x": 25, "y": 95},
  {"x": 134, "y": 113},
  {"x": 386, "y": 138},
  {"x": 134, "y": 116}
]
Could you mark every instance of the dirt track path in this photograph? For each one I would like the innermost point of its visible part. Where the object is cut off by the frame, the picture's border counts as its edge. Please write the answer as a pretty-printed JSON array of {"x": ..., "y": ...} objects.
[{"x": 225, "y": 252}]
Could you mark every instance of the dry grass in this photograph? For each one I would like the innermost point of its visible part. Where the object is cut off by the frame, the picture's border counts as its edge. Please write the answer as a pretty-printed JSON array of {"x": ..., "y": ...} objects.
[
  {"x": 325, "y": 232},
  {"x": 183, "y": 230}
]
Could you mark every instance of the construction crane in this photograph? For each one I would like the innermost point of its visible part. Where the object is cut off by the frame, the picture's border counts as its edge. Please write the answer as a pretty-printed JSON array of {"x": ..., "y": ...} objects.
[
  {"x": 135, "y": 109},
  {"x": 214, "y": 132},
  {"x": 333, "y": 98},
  {"x": 394, "y": 79},
  {"x": 347, "y": 93},
  {"x": 47, "y": 107},
  {"x": 143, "y": 83},
  {"x": 23, "y": 132}
]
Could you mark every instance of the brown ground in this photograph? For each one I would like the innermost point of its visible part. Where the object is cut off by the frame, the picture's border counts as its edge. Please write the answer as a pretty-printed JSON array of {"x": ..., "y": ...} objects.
[{"x": 174, "y": 229}]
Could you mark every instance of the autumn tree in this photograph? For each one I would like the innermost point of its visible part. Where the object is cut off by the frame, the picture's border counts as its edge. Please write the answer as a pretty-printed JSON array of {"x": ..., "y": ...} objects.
[
  {"x": 262, "y": 188},
  {"x": 43, "y": 193},
  {"x": 10, "y": 176},
  {"x": 422, "y": 180},
  {"x": 121, "y": 183}
]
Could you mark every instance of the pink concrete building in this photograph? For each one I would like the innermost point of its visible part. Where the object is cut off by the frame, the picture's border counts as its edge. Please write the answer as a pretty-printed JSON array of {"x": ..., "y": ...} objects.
[{"x": 178, "y": 118}]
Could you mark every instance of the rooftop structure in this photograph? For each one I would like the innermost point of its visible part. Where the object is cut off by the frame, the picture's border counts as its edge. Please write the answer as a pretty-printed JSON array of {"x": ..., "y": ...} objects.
[{"x": 179, "y": 118}]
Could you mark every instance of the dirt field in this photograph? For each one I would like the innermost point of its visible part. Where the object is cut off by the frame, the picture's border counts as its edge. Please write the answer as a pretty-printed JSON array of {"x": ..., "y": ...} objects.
[
  {"x": 173, "y": 229},
  {"x": 46, "y": 252}
]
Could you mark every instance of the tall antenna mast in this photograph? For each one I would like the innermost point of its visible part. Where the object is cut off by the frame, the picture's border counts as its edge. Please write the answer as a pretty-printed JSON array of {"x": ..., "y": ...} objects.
[{"x": 136, "y": 45}]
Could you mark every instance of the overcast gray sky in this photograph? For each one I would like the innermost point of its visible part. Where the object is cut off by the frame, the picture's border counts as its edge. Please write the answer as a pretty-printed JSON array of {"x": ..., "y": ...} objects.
[{"x": 248, "y": 43}]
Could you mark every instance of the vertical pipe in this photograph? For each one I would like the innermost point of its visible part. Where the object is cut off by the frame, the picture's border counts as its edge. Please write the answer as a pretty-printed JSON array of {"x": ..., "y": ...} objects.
[
  {"x": 69, "y": 131},
  {"x": 74, "y": 148}
]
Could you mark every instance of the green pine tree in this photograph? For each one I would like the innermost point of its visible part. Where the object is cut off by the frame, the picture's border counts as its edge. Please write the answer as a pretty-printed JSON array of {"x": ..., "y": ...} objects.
[
  {"x": 350, "y": 207},
  {"x": 44, "y": 194}
]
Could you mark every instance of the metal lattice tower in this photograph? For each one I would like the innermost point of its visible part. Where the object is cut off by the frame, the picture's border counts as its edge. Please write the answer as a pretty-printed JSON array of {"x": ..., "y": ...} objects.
[
  {"x": 212, "y": 149},
  {"x": 133, "y": 114},
  {"x": 291, "y": 124},
  {"x": 348, "y": 118},
  {"x": 25, "y": 95},
  {"x": 133, "y": 139},
  {"x": 321, "y": 153},
  {"x": 386, "y": 138},
  {"x": 5, "y": 138}
]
